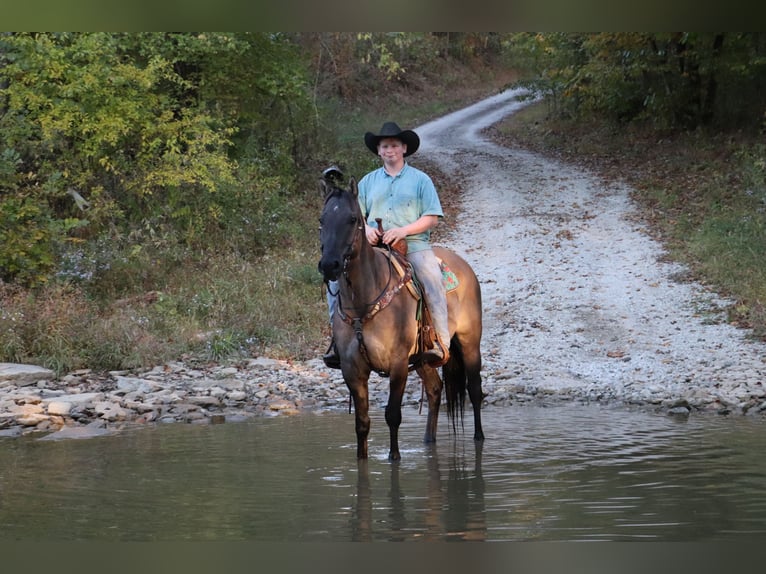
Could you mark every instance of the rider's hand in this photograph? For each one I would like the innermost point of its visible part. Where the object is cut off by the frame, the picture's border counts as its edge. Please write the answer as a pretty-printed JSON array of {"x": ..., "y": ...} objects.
[{"x": 372, "y": 233}]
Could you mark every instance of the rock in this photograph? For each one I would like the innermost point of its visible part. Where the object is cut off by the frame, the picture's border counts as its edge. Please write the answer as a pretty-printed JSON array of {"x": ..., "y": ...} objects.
[
  {"x": 78, "y": 432},
  {"x": 281, "y": 405},
  {"x": 227, "y": 372},
  {"x": 131, "y": 384},
  {"x": 263, "y": 363},
  {"x": 204, "y": 401},
  {"x": 113, "y": 411},
  {"x": 23, "y": 375},
  {"x": 61, "y": 408},
  {"x": 236, "y": 396},
  {"x": 31, "y": 420},
  {"x": 80, "y": 399},
  {"x": 679, "y": 411}
]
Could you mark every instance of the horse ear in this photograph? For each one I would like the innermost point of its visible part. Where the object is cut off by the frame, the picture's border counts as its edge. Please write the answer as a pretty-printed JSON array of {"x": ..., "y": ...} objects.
[
  {"x": 324, "y": 187},
  {"x": 353, "y": 187}
]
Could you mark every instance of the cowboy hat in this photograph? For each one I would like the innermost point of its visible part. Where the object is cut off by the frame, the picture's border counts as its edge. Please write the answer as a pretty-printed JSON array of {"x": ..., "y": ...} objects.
[{"x": 391, "y": 130}]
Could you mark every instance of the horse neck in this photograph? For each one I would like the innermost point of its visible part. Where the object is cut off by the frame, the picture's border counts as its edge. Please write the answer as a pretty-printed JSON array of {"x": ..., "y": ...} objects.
[{"x": 365, "y": 278}]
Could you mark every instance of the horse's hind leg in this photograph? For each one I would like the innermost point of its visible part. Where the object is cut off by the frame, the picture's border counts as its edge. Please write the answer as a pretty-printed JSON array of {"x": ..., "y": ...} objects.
[
  {"x": 433, "y": 387},
  {"x": 472, "y": 366}
]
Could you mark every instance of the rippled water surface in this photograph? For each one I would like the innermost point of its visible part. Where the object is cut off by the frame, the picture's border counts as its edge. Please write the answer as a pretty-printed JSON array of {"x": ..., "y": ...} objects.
[{"x": 558, "y": 473}]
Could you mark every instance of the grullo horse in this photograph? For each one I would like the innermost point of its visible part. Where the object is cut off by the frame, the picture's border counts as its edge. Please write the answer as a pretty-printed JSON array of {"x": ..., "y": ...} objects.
[{"x": 376, "y": 326}]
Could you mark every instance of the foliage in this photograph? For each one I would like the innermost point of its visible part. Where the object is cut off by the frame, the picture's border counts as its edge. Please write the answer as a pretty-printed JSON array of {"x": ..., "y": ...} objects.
[
  {"x": 673, "y": 80},
  {"x": 132, "y": 135}
]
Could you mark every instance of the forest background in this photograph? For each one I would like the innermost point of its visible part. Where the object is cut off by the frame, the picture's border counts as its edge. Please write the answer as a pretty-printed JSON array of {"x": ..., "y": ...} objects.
[{"x": 158, "y": 191}]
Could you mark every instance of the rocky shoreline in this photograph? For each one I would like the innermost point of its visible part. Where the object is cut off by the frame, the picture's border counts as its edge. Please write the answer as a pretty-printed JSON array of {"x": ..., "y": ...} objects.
[{"x": 85, "y": 404}]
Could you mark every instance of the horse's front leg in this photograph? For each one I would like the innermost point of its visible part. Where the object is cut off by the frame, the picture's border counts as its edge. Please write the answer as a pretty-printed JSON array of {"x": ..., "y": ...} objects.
[
  {"x": 432, "y": 384},
  {"x": 398, "y": 380},
  {"x": 358, "y": 386}
]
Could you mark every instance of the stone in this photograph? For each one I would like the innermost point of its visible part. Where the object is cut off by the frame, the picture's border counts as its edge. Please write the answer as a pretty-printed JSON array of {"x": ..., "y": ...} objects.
[
  {"x": 204, "y": 401},
  {"x": 61, "y": 408},
  {"x": 77, "y": 432},
  {"x": 112, "y": 411},
  {"x": 31, "y": 420},
  {"x": 263, "y": 363},
  {"x": 236, "y": 396},
  {"x": 80, "y": 399},
  {"x": 23, "y": 375}
]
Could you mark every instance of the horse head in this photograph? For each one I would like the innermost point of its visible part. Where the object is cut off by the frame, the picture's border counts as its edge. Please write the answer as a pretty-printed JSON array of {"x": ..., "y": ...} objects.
[{"x": 341, "y": 225}]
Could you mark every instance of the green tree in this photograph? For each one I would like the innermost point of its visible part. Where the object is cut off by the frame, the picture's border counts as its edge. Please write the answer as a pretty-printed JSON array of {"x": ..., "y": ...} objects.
[
  {"x": 165, "y": 134},
  {"x": 682, "y": 79}
]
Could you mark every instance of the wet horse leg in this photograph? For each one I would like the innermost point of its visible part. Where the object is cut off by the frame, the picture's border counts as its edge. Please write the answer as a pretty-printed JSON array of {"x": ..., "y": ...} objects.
[
  {"x": 472, "y": 362},
  {"x": 359, "y": 392},
  {"x": 433, "y": 387},
  {"x": 398, "y": 380}
]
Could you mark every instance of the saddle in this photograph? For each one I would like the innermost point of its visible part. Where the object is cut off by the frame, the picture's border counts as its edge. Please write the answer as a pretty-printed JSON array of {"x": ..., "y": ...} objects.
[{"x": 403, "y": 268}]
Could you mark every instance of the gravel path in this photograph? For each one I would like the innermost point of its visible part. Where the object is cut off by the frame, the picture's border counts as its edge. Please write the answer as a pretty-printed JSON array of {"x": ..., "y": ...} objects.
[
  {"x": 578, "y": 306},
  {"x": 578, "y": 303}
]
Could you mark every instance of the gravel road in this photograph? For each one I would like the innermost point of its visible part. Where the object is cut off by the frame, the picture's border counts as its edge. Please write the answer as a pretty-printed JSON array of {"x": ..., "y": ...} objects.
[{"x": 578, "y": 300}]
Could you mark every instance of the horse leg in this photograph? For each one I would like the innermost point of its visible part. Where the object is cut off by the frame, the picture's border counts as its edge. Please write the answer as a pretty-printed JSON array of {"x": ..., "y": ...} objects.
[
  {"x": 432, "y": 383},
  {"x": 361, "y": 415},
  {"x": 472, "y": 365},
  {"x": 398, "y": 380}
]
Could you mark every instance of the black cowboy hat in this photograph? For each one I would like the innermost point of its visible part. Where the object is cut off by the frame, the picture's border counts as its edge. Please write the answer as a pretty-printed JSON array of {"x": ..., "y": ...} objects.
[{"x": 391, "y": 130}]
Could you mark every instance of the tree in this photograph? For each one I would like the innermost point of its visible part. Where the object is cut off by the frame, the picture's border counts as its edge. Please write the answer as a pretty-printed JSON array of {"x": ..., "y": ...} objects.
[
  {"x": 104, "y": 132},
  {"x": 681, "y": 79}
]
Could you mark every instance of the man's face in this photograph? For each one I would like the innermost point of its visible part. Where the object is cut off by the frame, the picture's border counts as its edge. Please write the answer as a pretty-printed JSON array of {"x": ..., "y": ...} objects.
[{"x": 391, "y": 149}]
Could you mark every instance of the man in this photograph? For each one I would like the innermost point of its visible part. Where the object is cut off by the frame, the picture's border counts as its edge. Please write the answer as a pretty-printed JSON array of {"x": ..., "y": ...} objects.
[{"x": 406, "y": 201}]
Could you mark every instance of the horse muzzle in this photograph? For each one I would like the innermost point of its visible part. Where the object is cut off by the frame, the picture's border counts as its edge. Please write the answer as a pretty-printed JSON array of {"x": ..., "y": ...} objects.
[{"x": 330, "y": 268}]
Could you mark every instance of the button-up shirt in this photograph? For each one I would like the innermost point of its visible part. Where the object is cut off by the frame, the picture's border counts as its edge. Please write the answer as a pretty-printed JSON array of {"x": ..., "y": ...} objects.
[{"x": 399, "y": 201}]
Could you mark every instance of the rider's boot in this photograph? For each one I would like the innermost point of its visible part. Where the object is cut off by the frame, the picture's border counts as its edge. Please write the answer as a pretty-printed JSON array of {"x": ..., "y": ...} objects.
[{"x": 331, "y": 358}]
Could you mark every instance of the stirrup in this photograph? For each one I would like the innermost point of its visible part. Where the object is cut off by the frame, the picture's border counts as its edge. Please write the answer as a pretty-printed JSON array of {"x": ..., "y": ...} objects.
[
  {"x": 436, "y": 356},
  {"x": 331, "y": 358}
]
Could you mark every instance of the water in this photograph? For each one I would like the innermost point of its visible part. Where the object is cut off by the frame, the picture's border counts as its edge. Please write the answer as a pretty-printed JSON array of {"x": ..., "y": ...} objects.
[{"x": 567, "y": 473}]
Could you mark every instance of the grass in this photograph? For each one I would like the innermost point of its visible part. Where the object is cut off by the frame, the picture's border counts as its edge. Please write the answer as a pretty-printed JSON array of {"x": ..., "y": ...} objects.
[{"x": 702, "y": 194}]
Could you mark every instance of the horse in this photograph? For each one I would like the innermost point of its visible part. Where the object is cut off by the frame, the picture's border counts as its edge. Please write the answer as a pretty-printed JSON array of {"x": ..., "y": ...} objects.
[{"x": 376, "y": 327}]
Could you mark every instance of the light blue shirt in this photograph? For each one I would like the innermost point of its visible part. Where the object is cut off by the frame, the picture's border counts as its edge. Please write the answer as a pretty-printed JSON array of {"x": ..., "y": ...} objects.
[{"x": 399, "y": 201}]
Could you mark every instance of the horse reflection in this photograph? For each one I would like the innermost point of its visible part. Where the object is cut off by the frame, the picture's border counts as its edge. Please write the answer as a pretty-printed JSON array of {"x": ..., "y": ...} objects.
[{"x": 452, "y": 507}]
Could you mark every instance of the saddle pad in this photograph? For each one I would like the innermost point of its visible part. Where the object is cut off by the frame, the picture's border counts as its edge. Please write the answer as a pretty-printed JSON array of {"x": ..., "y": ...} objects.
[{"x": 449, "y": 277}]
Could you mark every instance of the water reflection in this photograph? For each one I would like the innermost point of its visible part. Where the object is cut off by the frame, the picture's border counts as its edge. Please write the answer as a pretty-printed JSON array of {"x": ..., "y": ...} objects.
[{"x": 452, "y": 507}]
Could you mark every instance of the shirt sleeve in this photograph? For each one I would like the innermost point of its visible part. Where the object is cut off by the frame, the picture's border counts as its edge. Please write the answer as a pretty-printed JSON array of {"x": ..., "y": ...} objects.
[{"x": 430, "y": 198}]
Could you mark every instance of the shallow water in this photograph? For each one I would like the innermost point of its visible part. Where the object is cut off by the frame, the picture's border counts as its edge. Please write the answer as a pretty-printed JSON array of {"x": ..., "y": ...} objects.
[{"x": 568, "y": 472}]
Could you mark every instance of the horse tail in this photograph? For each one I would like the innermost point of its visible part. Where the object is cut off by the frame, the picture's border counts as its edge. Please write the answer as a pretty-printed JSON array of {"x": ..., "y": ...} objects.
[{"x": 455, "y": 384}]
